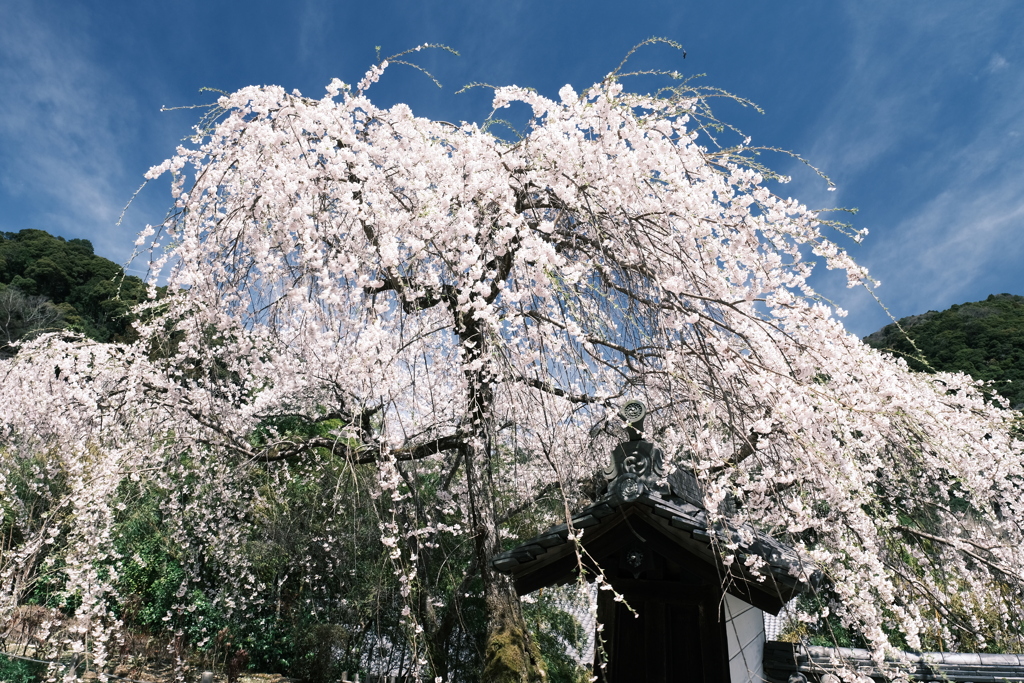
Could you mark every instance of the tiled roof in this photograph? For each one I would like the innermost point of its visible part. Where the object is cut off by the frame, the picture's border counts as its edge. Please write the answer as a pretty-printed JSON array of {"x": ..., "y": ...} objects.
[
  {"x": 782, "y": 660},
  {"x": 676, "y": 512}
]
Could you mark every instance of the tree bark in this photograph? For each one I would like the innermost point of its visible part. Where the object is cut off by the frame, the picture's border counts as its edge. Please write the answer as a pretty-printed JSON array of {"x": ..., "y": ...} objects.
[{"x": 511, "y": 655}]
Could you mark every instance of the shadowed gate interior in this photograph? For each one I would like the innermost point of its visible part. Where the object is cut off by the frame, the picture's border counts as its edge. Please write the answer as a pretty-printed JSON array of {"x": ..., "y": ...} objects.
[
  {"x": 666, "y": 618},
  {"x": 667, "y": 627}
]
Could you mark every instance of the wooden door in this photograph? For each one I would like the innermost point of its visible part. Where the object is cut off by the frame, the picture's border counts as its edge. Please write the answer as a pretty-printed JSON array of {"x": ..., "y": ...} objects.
[{"x": 673, "y": 637}]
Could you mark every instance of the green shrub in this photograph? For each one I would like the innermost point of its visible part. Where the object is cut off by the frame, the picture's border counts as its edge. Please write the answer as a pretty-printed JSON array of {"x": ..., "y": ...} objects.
[{"x": 20, "y": 671}]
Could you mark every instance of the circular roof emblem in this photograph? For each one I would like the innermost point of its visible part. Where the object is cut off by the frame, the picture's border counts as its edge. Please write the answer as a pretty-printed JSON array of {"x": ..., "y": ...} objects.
[
  {"x": 629, "y": 487},
  {"x": 633, "y": 411}
]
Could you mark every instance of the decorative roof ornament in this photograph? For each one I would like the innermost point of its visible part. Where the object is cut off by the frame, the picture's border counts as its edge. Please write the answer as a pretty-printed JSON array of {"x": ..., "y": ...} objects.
[
  {"x": 672, "y": 511},
  {"x": 633, "y": 414},
  {"x": 636, "y": 465}
]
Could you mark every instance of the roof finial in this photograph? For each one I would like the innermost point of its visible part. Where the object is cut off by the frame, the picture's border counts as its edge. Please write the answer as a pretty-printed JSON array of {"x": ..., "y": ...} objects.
[{"x": 633, "y": 414}]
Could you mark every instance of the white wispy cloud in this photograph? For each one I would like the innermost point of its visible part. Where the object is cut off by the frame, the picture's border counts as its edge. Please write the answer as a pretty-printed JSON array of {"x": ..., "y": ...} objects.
[
  {"x": 929, "y": 105},
  {"x": 62, "y": 126},
  {"x": 997, "y": 63}
]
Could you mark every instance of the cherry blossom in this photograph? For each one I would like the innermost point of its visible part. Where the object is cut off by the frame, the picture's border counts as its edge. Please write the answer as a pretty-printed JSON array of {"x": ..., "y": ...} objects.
[{"x": 461, "y": 310}]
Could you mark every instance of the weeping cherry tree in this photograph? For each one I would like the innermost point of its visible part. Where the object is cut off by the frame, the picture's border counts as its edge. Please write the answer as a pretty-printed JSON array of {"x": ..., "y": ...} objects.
[{"x": 449, "y": 313}]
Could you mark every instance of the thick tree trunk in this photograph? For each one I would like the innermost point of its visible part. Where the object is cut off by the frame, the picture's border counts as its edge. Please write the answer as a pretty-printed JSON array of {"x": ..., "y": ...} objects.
[{"x": 511, "y": 654}]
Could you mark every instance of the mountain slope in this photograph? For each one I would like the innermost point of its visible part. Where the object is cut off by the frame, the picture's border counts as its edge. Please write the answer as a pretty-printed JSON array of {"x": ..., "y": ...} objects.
[
  {"x": 985, "y": 339},
  {"x": 47, "y": 282}
]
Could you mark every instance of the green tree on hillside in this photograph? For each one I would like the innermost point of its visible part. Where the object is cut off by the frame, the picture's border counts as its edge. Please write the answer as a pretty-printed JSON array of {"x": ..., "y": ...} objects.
[
  {"x": 48, "y": 282},
  {"x": 984, "y": 339}
]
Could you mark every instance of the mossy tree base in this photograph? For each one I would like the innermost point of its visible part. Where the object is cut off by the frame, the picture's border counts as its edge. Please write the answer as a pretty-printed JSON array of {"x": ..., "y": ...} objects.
[{"x": 513, "y": 656}]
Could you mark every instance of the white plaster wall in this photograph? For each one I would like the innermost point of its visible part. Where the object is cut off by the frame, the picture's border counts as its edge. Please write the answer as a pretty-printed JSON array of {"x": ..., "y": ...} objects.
[{"x": 744, "y": 627}]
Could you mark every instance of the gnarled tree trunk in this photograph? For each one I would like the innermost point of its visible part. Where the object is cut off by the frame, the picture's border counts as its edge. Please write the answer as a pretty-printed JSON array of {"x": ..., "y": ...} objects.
[{"x": 511, "y": 654}]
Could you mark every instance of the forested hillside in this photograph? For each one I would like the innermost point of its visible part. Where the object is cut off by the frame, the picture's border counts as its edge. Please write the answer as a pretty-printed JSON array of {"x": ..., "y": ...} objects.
[
  {"x": 49, "y": 283},
  {"x": 985, "y": 339}
]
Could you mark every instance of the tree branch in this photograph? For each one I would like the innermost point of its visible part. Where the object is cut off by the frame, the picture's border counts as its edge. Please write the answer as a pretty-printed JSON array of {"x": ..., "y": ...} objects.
[
  {"x": 549, "y": 388},
  {"x": 744, "y": 452},
  {"x": 957, "y": 546},
  {"x": 522, "y": 507},
  {"x": 366, "y": 453}
]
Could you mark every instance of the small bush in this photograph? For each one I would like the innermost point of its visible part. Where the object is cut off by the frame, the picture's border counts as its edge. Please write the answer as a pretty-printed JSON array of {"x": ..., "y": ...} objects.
[{"x": 20, "y": 671}]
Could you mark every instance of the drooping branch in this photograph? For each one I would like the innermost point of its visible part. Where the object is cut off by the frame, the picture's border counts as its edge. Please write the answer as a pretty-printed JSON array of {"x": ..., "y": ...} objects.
[
  {"x": 526, "y": 505},
  {"x": 549, "y": 388},
  {"x": 639, "y": 352},
  {"x": 957, "y": 544},
  {"x": 362, "y": 454},
  {"x": 747, "y": 449}
]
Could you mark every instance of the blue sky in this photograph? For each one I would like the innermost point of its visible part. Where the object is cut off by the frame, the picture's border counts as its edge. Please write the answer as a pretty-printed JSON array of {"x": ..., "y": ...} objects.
[{"x": 914, "y": 108}]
